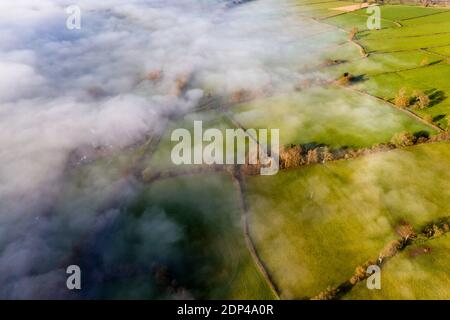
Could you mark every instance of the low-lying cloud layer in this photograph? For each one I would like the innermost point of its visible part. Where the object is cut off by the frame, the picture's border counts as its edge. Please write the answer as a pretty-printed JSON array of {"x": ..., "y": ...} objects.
[{"x": 110, "y": 84}]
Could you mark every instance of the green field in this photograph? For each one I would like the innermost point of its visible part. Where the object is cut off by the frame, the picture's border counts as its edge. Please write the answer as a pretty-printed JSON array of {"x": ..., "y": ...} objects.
[
  {"x": 214, "y": 261},
  {"x": 411, "y": 277},
  {"x": 190, "y": 227},
  {"x": 330, "y": 116},
  {"x": 411, "y": 55},
  {"x": 160, "y": 160},
  {"x": 314, "y": 225}
]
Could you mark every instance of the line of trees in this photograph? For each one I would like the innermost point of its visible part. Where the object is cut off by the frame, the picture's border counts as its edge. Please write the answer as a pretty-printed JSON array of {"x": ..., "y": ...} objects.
[
  {"x": 418, "y": 99},
  {"x": 293, "y": 156}
]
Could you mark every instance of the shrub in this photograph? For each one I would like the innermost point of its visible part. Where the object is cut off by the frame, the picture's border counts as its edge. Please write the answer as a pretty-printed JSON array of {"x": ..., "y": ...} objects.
[
  {"x": 327, "y": 155},
  {"x": 402, "y": 100},
  {"x": 428, "y": 118},
  {"x": 443, "y": 136},
  {"x": 421, "y": 99},
  {"x": 312, "y": 156},
  {"x": 403, "y": 139},
  {"x": 390, "y": 250},
  {"x": 361, "y": 272},
  {"x": 406, "y": 231},
  {"x": 291, "y": 157},
  {"x": 241, "y": 95},
  {"x": 345, "y": 79},
  {"x": 154, "y": 75},
  {"x": 329, "y": 294},
  {"x": 181, "y": 83},
  {"x": 353, "y": 33}
]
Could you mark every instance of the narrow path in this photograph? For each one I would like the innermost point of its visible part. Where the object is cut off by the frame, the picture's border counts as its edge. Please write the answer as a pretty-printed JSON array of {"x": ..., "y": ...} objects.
[
  {"x": 239, "y": 183},
  {"x": 362, "y": 51}
]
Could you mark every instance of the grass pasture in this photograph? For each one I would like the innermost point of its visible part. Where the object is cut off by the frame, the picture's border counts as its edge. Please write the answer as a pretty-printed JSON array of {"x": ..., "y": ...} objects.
[
  {"x": 412, "y": 55},
  {"x": 215, "y": 261},
  {"x": 330, "y": 116},
  {"x": 314, "y": 225},
  {"x": 402, "y": 13},
  {"x": 190, "y": 227},
  {"x": 410, "y": 276}
]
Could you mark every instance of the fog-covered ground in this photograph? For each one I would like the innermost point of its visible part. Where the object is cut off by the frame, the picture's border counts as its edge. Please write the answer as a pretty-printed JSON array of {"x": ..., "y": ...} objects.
[{"x": 110, "y": 84}]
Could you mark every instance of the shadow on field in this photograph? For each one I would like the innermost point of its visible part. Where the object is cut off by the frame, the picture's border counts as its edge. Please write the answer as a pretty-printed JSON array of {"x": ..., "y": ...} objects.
[
  {"x": 421, "y": 134},
  {"x": 439, "y": 117},
  {"x": 436, "y": 96}
]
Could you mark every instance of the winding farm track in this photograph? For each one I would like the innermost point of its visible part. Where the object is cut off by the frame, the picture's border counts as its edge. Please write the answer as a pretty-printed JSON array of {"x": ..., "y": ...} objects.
[{"x": 240, "y": 187}]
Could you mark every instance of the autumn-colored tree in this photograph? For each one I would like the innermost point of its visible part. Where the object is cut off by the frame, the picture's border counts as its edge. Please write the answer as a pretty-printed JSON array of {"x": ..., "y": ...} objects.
[
  {"x": 361, "y": 272},
  {"x": 240, "y": 96},
  {"x": 406, "y": 231},
  {"x": 329, "y": 294},
  {"x": 428, "y": 118},
  {"x": 389, "y": 250},
  {"x": 327, "y": 155},
  {"x": 402, "y": 100},
  {"x": 312, "y": 156},
  {"x": 353, "y": 33},
  {"x": 181, "y": 83},
  {"x": 345, "y": 79},
  {"x": 403, "y": 139},
  {"x": 291, "y": 157},
  {"x": 421, "y": 99},
  {"x": 154, "y": 75}
]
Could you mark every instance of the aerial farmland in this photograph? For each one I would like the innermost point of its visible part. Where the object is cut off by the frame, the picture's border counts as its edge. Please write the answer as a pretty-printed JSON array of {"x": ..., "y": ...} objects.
[{"x": 121, "y": 154}]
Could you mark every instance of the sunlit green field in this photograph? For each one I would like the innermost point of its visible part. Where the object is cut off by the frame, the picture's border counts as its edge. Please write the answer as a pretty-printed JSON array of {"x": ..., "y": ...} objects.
[
  {"x": 330, "y": 116},
  {"x": 412, "y": 54},
  {"x": 314, "y": 225},
  {"x": 412, "y": 275}
]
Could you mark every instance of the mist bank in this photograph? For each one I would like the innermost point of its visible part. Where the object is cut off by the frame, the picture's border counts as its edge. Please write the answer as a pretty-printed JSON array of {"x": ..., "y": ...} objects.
[{"x": 110, "y": 84}]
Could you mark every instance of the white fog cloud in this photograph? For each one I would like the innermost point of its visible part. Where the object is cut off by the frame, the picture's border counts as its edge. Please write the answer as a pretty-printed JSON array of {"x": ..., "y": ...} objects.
[{"x": 61, "y": 89}]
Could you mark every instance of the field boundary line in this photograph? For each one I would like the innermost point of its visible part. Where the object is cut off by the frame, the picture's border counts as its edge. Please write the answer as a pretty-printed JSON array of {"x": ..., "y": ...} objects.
[
  {"x": 240, "y": 188},
  {"x": 405, "y": 111},
  {"x": 427, "y": 15}
]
